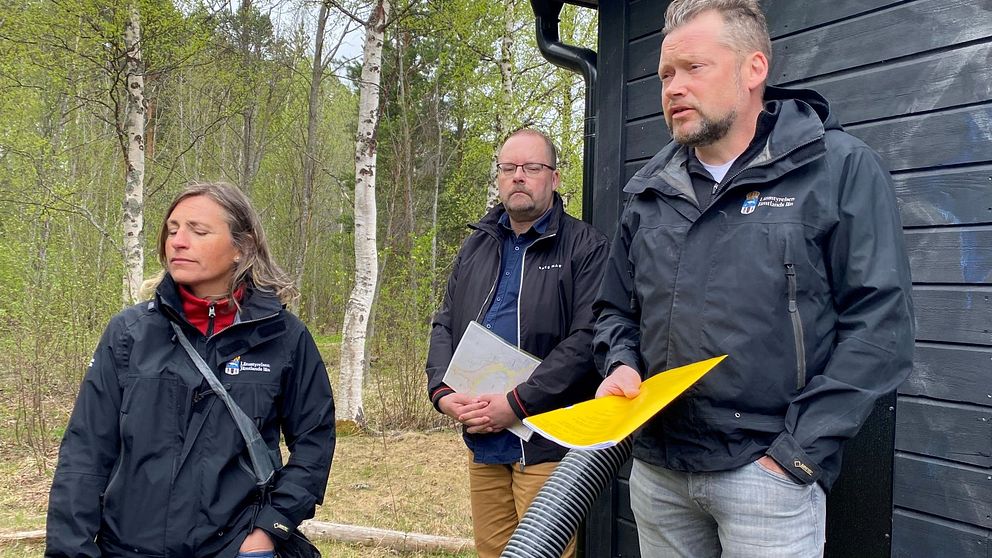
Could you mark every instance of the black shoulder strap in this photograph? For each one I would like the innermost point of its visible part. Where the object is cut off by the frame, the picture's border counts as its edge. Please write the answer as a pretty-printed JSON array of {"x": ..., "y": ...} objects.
[{"x": 261, "y": 459}]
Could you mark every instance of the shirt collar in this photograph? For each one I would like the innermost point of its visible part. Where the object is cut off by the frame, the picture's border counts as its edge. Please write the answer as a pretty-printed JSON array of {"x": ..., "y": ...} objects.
[{"x": 540, "y": 226}]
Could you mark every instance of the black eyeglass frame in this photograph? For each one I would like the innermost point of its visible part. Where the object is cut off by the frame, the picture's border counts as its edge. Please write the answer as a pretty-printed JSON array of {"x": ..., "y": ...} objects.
[{"x": 534, "y": 170}]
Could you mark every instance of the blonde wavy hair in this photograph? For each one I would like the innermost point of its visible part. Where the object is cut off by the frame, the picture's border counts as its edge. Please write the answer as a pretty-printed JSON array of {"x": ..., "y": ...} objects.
[{"x": 256, "y": 265}]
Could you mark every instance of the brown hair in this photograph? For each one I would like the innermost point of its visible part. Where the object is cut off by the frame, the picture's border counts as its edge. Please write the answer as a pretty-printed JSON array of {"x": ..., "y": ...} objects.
[
  {"x": 746, "y": 28},
  {"x": 552, "y": 150},
  {"x": 256, "y": 264}
]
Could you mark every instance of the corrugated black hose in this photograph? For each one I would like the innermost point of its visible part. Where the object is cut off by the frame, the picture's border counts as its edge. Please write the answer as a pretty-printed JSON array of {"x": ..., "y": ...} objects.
[{"x": 564, "y": 501}]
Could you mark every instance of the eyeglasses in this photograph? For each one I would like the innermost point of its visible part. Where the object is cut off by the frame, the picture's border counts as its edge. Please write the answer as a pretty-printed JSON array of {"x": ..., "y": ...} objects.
[{"x": 530, "y": 169}]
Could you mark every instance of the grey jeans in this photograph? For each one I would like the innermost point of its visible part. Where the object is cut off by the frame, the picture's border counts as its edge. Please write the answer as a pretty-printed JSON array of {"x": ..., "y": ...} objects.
[{"x": 743, "y": 513}]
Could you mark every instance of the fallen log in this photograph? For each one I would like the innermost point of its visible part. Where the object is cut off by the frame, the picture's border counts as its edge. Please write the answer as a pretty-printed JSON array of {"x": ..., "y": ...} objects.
[
  {"x": 396, "y": 540},
  {"x": 23, "y": 536}
]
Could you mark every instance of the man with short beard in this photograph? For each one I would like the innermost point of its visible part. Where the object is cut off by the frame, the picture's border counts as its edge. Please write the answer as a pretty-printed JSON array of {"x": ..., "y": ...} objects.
[
  {"x": 764, "y": 232},
  {"x": 529, "y": 273}
]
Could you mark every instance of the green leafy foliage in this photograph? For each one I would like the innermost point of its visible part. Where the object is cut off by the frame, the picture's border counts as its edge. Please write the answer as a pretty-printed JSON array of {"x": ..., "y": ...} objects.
[{"x": 227, "y": 89}]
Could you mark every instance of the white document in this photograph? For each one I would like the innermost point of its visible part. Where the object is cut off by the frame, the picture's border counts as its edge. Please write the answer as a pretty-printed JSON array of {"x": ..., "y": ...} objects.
[{"x": 484, "y": 362}]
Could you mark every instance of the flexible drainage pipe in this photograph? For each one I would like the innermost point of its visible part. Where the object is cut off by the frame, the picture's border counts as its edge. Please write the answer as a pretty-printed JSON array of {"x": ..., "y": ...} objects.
[{"x": 564, "y": 500}]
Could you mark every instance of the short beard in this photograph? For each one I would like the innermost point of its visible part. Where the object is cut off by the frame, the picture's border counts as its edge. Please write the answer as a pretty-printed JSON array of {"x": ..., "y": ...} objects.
[
  {"x": 709, "y": 131},
  {"x": 522, "y": 214}
]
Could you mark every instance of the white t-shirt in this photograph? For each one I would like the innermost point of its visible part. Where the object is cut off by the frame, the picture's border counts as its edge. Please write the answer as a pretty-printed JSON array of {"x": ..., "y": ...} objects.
[{"x": 719, "y": 171}]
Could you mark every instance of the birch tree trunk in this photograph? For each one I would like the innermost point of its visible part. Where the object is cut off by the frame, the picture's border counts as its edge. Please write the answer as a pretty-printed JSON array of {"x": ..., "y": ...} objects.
[
  {"x": 310, "y": 151},
  {"x": 506, "y": 54},
  {"x": 134, "y": 129},
  {"x": 359, "y": 307},
  {"x": 505, "y": 63}
]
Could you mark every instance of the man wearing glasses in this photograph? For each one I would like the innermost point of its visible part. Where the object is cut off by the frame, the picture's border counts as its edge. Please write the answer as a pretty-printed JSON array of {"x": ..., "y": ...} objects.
[{"x": 529, "y": 273}]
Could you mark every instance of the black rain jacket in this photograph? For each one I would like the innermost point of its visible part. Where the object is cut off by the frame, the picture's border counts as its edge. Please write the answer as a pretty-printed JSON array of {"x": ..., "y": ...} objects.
[
  {"x": 560, "y": 277},
  {"x": 796, "y": 270},
  {"x": 152, "y": 467}
]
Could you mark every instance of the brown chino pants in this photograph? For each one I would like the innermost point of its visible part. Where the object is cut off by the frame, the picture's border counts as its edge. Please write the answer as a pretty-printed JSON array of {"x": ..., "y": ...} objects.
[{"x": 500, "y": 496}]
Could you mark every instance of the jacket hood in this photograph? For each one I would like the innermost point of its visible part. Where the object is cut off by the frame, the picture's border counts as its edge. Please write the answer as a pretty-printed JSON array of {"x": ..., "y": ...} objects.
[
  {"x": 490, "y": 221},
  {"x": 809, "y": 97},
  {"x": 802, "y": 118}
]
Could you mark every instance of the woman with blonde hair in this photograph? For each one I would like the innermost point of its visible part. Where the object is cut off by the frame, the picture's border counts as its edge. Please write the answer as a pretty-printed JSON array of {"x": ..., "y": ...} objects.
[{"x": 173, "y": 444}]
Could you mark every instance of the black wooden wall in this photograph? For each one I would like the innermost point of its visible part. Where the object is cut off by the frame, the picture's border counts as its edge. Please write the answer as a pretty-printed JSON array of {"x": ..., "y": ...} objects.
[{"x": 914, "y": 80}]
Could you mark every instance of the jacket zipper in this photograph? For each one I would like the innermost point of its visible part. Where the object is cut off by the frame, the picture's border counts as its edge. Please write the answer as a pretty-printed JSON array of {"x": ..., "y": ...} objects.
[
  {"x": 718, "y": 185},
  {"x": 211, "y": 314},
  {"x": 797, "y": 327},
  {"x": 520, "y": 293}
]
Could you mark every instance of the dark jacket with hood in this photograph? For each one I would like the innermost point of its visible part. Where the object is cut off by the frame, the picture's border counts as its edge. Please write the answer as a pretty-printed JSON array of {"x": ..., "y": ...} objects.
[
  {"x": 796, "y": 270},
  {"x": 559, "y": 280},
  {"x": 150, "y": 466}
]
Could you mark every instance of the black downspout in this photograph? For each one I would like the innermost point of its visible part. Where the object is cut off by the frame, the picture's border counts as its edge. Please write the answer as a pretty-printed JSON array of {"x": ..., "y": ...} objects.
[{"x": 579, "y": 60}]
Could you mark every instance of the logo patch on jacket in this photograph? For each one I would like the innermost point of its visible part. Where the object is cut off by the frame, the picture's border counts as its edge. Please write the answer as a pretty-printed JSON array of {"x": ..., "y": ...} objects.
[
  {"x": 255, "y": 366},
  {"x": 754, "y": 200},
  {"x": 238, "y": 366},
  {"x": 750, "y": 202},
  {"x": 549, "y": 266}
]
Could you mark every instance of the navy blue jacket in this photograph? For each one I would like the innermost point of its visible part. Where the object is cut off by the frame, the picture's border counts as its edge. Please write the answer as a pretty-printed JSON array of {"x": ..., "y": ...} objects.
[
  {"x": 796, "y": 270},
  {"x": 150, "y": 466}
]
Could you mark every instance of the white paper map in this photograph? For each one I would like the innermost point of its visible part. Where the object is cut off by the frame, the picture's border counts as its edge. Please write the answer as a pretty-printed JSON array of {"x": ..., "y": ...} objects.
[{"x": 485, "y": 363}]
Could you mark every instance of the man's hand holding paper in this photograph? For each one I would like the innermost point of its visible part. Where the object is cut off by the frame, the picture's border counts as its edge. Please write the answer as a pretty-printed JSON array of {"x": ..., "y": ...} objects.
[
  {"x": 623, "y": 403},
  {"x": 624, "y": 381}
]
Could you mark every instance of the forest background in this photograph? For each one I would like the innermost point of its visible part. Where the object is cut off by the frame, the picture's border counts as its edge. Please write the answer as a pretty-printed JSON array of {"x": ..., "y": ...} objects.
[{"x": 108, "y": 109}]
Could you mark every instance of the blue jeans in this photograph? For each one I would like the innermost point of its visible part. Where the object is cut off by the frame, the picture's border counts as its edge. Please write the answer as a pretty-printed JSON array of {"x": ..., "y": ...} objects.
[
  {"x": 749, "y": 512},
  {"x": 258, "y": 554}
]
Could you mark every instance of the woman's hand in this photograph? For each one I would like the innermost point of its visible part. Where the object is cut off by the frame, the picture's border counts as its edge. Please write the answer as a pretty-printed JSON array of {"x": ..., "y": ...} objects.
[{"x": 257, "y": 541}]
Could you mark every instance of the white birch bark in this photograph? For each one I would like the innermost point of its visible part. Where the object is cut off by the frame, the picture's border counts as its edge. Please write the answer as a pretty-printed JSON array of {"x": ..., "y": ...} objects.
[
  {"x": 506, "y": 53},
  {"x": 134, "y": 129},
  {"x": 505, "y": 63},
  {"x": 356, "y": 317}
]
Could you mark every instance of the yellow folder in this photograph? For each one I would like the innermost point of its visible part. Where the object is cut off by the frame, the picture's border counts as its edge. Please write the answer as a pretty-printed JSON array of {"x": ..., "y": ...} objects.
[{"x": 604, "y": 422}]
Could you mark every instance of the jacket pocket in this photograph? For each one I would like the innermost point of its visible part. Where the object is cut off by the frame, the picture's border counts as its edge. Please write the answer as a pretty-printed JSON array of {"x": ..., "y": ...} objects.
[{"x": 797, "y": 325}]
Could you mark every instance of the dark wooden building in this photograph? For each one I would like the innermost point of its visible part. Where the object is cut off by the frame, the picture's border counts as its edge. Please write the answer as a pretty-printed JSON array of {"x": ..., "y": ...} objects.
[{"x": 913, "y": 79}]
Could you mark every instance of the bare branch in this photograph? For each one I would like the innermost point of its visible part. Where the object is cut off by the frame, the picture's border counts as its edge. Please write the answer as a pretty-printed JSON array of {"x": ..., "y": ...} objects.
[{"x": 337, "y": 5}]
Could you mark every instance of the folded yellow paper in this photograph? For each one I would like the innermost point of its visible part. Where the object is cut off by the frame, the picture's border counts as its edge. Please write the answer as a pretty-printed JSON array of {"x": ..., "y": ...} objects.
[{"x": 604, "y": 422}]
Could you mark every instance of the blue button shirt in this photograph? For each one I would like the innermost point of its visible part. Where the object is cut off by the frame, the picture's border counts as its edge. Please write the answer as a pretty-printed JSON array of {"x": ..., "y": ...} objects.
[{"x": 501, "y": 319}]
